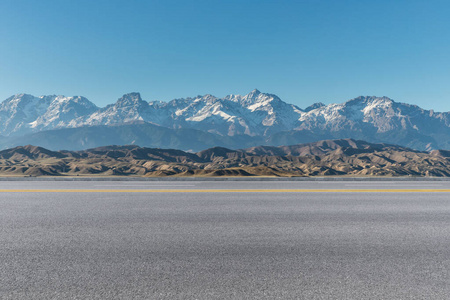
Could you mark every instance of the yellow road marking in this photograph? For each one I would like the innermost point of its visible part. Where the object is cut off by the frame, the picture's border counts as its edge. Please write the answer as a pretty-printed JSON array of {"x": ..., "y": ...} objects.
[{"x": 225, "y": 191}]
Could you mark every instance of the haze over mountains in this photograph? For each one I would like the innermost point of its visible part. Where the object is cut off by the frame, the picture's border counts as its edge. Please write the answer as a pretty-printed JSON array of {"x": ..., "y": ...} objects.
[{"x": 75, "y": 123}]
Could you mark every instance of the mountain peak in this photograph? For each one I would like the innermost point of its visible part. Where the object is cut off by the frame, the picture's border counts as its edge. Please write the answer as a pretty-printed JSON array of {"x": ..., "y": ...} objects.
[
  {"x": 254, "y": 93},
  {"x": 252, "y": 97},
  {"x": 257, "y": 116},
  {"x": 19, "y": 97},
  {"x": 370, "y": 99},
  {"x": 314, "y": 106},
  {"x": 129, "y": 99},
  {"x": 244, "y": 98},
  {"x": 209, "y": 98}
]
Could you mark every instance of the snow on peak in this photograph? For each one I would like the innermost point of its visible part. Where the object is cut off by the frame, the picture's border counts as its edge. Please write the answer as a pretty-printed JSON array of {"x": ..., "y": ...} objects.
[
  {"x": 253, "y": 114},
  {"x": 314, "y": 106},
  {"x": 129, "y": 99},
  {"x": 369, "y": 101},
  {"x": 255, "y": 92},
  {"x": 22, "y": 113}
]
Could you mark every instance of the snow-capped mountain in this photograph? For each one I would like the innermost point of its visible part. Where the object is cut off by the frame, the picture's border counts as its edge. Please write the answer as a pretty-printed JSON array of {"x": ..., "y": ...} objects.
[
  {"x": 381, "y": 119},
  {"x": 374, "y": 113},
  {"x": 24, "y": 113},
  {"x": 253, "y": 114},
  {"x": 375, "y": 119}
]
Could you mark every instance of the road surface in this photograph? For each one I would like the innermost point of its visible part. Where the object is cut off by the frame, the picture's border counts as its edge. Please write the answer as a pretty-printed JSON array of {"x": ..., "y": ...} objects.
[{"x": 224, "y": 240}]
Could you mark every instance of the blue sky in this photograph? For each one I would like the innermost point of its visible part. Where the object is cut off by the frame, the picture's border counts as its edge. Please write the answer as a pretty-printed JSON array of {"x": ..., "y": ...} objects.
[{"x": 303, "y": 51}]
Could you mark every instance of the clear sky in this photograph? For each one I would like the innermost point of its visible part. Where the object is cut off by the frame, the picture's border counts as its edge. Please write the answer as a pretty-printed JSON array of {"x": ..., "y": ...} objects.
[{"x": 302, "y": 51}]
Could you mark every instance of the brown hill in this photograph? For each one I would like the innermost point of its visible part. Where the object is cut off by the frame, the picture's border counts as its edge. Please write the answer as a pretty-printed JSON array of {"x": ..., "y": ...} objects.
[
  {"x": 28, "y": 152},
  {"x": 325, "y": 158}
]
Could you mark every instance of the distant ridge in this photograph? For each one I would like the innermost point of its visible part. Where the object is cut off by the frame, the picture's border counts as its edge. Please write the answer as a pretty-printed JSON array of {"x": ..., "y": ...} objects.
[
  {"x": 345, "y": 157},
  {"x": 206, "y": 121}
]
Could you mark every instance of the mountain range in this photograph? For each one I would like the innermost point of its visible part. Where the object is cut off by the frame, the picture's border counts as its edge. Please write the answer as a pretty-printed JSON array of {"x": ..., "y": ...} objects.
[
  {"x": 235, "y": 121},
  {"x": 345, "y": 157}
]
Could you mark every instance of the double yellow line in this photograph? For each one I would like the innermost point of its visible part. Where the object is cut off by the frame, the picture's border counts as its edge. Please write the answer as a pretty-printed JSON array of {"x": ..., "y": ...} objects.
[{"x": 225, "y": 191}]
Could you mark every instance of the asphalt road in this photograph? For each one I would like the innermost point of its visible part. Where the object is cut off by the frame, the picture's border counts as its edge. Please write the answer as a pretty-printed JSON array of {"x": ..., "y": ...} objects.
[{"x": 76, "y": 243}]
